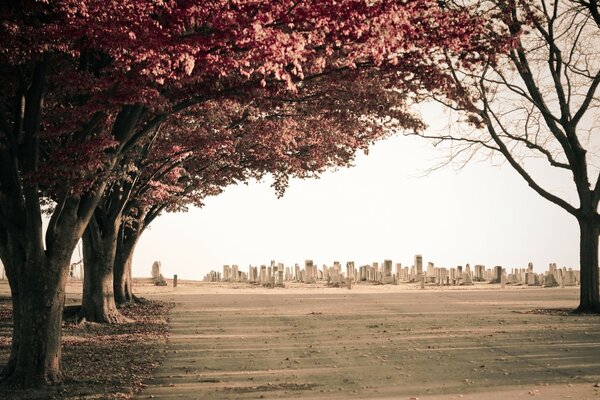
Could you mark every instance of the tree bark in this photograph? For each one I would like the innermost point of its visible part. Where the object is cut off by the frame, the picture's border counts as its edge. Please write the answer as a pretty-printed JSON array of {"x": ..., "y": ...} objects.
[
  {"x": 122, "y": 274},
  {"x": 38, "y": 300},
  {"x": 588, "y": 259},
  {"x": 99, "y": 247},
  {"x": 9, "y": 368},
  {"x": 37, "y": 271}
]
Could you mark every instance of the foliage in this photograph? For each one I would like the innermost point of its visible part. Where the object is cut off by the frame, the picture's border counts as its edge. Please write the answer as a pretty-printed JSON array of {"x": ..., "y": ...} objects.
[
  {"x": 115, "y": 70},
  {"x": 87, "y": 84}
]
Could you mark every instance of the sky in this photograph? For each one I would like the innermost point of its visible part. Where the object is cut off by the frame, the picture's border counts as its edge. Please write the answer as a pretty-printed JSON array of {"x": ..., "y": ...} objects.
[{"x": 385, "y": 207}]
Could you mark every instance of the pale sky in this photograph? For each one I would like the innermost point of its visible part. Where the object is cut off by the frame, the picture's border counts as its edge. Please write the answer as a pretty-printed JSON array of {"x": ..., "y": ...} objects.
[{"x": 382, "y": 208}]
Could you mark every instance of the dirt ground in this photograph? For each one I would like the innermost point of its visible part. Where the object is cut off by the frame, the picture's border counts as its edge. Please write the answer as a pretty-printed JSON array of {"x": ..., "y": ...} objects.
[
  {"x": 100, "y": 361},
  {"x": 375, "y": 342},
  {"x": 236, "y": 341}
]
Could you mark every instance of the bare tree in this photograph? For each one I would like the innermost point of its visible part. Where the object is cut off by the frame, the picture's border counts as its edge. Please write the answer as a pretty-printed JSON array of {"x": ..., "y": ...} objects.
[{"x": 539, "y": 99}]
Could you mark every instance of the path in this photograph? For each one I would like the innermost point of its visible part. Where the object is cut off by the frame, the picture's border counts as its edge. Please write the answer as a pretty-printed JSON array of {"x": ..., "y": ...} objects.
[{"x": 338, "y": 344}]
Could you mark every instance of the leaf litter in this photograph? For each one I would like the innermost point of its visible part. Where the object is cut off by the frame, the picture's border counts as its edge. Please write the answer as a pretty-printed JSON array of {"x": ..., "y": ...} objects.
[{"x": 100, "y": 361}]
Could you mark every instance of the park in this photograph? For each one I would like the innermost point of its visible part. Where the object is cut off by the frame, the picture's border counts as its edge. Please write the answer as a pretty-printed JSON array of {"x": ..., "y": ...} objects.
[{"x": 116, "y": 115}]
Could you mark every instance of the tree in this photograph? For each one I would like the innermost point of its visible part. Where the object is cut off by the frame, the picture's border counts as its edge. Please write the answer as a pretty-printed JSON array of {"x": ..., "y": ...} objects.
[
  {"x": 174, "y": 163},
  {"x": 538, "y": 100},
  {"x": 84, "y": 82},
  {"x": 301, "y": 134}
]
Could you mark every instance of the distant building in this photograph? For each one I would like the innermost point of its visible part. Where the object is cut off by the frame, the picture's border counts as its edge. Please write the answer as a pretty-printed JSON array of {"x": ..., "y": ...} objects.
[{"x": 419, "y": 266}]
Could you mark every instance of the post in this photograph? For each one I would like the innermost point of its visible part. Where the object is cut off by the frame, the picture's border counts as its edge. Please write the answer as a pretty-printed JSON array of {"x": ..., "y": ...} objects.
[
  {"x": 175, "y": 280},
  {"x": 503, "y": 280},
  {"x": 422, "y": 281}
]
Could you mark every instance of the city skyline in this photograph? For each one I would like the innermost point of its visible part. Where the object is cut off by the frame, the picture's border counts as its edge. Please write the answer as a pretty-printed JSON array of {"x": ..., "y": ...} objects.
[
  {"x": 386, "y": 273},
  {"x": 385, "y": 207}
]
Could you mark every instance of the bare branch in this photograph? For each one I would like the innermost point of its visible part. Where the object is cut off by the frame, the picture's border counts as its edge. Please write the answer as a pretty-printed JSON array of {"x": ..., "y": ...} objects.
[
  {"x": 594, "y": 9},
  {"x": 527, "y": 142},
  {"x": 515, "y": 164},
  {"x": 588, "y": 100},
  {"x": 451, "y": 138}
]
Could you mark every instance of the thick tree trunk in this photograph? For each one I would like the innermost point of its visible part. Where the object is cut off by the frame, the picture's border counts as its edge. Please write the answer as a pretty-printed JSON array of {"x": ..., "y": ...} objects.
[
  {"x": 588, "y": 258},
  {"x": 98, "y": 302},
  {"x": 37, "y": 264},
  {"x": 9, "y": 368},
  {"x": 38, "y": 300},
  {"x": 123, "y": 260}
]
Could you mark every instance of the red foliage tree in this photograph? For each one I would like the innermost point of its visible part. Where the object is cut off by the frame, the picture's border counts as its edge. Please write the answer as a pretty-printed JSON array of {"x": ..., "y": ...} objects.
[
  {"x": 83, "y": 82},
  {"x": 207, "y": 148}
]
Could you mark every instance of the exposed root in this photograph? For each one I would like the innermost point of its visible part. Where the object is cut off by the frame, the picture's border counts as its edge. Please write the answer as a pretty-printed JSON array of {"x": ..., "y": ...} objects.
[
  {"x": 587, "y": 310},
  {"x": 560, "y": 311},
  {"x": 107, "y": 317}
]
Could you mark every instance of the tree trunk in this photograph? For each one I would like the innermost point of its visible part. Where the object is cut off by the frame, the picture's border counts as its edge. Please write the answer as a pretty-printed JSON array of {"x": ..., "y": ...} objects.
[
  {"x": 9, "y": 368},
  {"x": 98, "y": 302},
  {"x": 588, "y": 258},
  {"x": 38, "y": 300},
  {"x": 123, "y": 260}
]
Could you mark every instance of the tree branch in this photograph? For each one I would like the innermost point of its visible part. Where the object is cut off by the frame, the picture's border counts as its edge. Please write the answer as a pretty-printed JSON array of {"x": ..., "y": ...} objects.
[
  {"x": 513, "y": 162},
  {"x": 31, "y": 155},
  {"x": 522, "y": 64},
  {"x": 592, "y": 6},
  {"x": 444, "y": 138},
  {"x": 596, "y": 192},
  {"x": 587, "y": 101},
  {"x": 51, "y": 230},
  {"x": 528, "y": 143}
]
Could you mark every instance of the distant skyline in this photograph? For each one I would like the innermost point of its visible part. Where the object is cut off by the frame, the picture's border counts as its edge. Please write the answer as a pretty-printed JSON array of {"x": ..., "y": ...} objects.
[{"x": 383, "y": 208}]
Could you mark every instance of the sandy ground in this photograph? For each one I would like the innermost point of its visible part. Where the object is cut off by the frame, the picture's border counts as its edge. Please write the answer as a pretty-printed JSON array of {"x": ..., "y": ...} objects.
[
  {"x": 236, "y": 341},
  {"x": 375, "y": 342}
]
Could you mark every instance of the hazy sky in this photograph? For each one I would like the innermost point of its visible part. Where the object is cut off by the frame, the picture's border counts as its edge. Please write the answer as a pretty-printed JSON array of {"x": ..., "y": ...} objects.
[{"x": 383, "y": 208}]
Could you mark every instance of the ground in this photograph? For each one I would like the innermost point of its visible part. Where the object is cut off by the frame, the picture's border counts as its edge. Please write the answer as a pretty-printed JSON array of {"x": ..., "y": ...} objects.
[
  {"x": 378, "y": 342},
  {"x": 100, "y": 361},
  {"x": 236, "y": 341}
]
